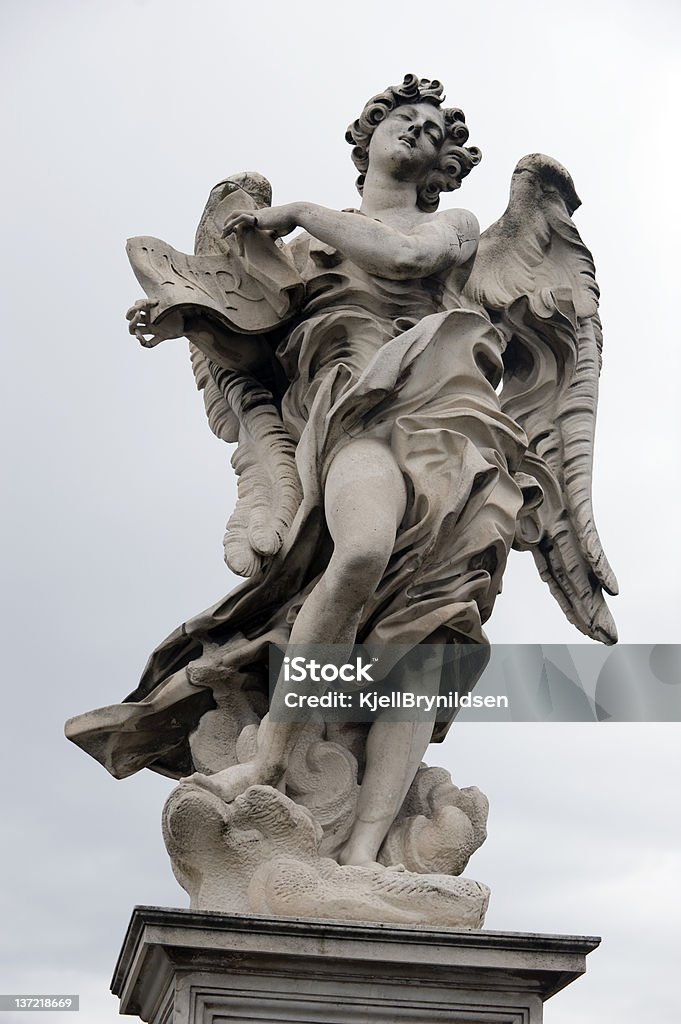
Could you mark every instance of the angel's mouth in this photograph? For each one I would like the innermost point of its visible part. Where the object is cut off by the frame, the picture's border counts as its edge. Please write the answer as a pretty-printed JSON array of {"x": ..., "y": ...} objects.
[{"x": 409, "y": 139}]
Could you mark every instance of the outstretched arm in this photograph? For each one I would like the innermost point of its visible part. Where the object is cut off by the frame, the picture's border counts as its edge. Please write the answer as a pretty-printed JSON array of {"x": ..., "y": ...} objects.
[{"x": 435, "y": 244}]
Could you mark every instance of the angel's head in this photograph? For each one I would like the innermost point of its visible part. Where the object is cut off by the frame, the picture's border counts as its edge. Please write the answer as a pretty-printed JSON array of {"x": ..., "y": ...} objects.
[{"x": 427, "y": 138}]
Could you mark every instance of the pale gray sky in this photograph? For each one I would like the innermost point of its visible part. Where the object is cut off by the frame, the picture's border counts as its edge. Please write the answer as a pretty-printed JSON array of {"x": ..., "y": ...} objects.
[{"x": 118, "y": 118}]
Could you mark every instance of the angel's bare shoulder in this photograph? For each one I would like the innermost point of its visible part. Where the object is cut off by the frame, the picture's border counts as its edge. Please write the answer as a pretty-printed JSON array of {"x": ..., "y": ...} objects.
[
  {"x": 460, "y": 231},
  {"x": 463, "y": 222}
]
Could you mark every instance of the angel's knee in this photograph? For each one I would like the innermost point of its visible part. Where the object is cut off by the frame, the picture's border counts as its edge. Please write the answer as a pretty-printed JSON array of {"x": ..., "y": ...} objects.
[{"x": 354, "y": 572}]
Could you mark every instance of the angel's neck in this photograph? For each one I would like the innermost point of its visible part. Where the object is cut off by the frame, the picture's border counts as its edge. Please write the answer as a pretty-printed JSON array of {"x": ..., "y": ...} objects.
[{"x": 385, "y": 195}]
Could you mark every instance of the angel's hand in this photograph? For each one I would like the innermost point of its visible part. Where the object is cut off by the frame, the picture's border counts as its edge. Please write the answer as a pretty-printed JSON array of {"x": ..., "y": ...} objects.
[
  {"x": 140, "y": 317},
  {"x": 276, "y": 220}
]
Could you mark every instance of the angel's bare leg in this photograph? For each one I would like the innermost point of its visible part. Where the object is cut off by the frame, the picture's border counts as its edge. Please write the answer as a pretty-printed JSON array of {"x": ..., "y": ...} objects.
[
  {"x": 365, "y": 499},
  {"x": 393, "y": 754}
]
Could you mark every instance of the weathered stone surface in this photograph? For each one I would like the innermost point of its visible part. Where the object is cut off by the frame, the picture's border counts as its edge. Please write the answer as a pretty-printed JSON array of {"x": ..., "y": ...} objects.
[
  {"x": 209, "y": 968},
  {"x": 384, "y": 475},
  {"x": 262, "y": 853}
]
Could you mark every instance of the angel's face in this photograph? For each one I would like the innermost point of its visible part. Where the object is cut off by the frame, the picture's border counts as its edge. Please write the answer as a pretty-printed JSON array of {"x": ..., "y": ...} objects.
[{"x": 406, "y": 144}]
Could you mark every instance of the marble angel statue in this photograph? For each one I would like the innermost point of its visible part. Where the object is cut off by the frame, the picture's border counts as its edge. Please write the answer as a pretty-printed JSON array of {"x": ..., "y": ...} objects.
[{"x": 409, "y": 399}]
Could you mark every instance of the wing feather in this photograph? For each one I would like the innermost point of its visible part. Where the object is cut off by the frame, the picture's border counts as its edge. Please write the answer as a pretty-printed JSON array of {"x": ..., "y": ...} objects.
[
  {"x": 221, "y": 419},
  {"x": 241, "y": 408},
  {"x": 537, "y": 280},
  {"x": 269, "y": 486}
]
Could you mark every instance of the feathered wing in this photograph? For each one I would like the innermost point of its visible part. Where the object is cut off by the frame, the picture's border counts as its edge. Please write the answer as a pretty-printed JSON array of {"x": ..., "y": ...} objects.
[
  {"x": 242, "y": 408},
  {"x": 536, "y": 278}
]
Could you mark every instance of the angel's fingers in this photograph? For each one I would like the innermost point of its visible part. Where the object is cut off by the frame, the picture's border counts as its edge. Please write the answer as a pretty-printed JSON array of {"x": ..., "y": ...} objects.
[
  {"x": 135, "y": 309},
  {"x": 241, "y": 220},
  {"x": 139, "y": 325},
  {"x": 137, "y": 319},
  {"x": 141, "y": 306},
  {"x": 147, "y": 342}
]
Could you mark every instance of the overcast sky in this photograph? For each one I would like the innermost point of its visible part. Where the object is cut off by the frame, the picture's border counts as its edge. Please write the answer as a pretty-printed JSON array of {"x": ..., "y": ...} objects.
[{"x": 118, "y": 118}]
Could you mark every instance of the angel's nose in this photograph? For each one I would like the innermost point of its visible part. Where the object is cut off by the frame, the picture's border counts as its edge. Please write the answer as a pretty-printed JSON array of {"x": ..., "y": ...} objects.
[{"x": 415, "y": 130}]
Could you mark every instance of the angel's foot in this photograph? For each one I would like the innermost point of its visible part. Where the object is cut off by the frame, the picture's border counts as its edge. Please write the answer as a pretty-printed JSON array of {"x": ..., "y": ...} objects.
[
  {"x": 358, "y": 854},
  {"x": 359, "y": 860},
  {"x": 229, "y": 783},
  {"x": 362, "y": 864},
  {"x": 363, "y": 845}
]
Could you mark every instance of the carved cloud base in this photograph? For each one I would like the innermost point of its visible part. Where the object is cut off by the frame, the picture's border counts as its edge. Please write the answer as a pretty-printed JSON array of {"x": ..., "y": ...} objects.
[{"x": 261, "y": 854}]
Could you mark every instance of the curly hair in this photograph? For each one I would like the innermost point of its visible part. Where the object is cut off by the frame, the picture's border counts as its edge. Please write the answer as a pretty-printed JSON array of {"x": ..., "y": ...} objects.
[{"x": 455, "y": 160}]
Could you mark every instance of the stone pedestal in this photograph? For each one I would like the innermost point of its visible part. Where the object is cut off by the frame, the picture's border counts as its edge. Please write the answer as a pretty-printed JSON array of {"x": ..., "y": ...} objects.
[{"x": 184, "y": 967}]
